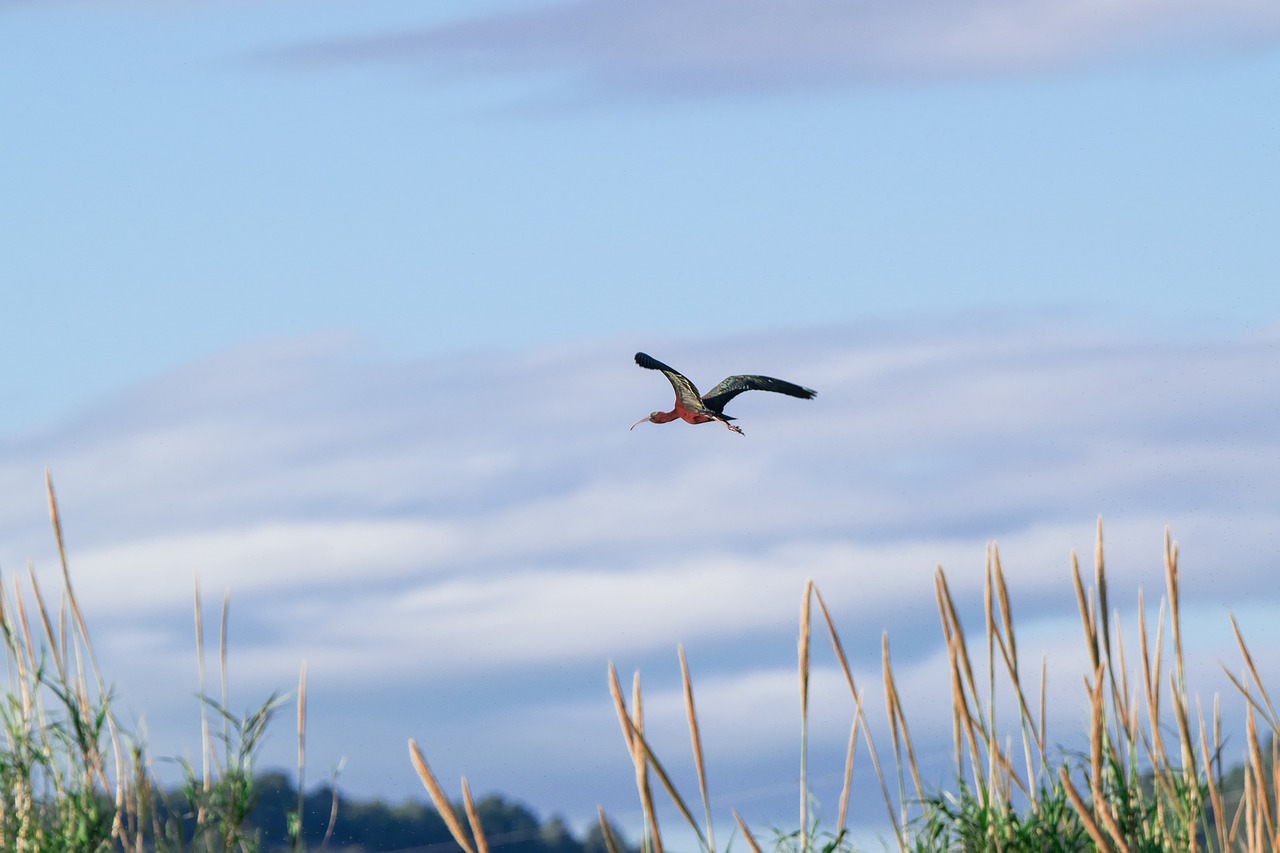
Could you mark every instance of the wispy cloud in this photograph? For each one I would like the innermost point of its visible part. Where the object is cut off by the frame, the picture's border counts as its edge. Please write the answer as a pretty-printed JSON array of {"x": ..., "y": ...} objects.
[
  {"x": 714, "y": 45},
  {"x": 457, "y": 546}
]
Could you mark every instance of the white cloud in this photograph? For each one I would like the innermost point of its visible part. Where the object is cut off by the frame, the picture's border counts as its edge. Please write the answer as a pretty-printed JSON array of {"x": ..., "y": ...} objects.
[
  {"x": 448, "y": 574},
  {"x": 268, "y": 559},
  {"x": 699, "y": 45}
]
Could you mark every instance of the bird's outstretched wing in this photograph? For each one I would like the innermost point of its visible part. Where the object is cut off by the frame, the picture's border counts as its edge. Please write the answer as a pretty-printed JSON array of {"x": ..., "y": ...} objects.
[
  {"x": 686, "y": 391},
  {"x": 718, "y": 397}
]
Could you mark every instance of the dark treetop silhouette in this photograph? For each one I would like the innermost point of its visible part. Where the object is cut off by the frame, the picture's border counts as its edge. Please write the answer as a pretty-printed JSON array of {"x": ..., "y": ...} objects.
[{"x": 696, "y": 408}]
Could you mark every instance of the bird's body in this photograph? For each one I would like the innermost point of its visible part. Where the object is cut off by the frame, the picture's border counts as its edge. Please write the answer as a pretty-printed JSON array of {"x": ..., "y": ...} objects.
[{"x": 694, "y": 408}]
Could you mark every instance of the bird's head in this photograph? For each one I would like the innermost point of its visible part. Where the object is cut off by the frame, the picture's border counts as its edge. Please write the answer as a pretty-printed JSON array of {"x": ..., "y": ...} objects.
[{"x": 652, "y": 418}]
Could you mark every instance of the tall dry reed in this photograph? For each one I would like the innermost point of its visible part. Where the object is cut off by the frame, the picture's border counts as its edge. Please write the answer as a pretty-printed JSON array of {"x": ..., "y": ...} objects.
[
  {"x": 71, "y": 778},
  {"x": 1150, "y": 779}
]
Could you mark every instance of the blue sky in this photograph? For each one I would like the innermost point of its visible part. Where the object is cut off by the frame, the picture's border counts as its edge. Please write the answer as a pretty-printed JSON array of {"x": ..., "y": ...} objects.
[
  {"x": 334, "y": 305},
  {"x": 191, "y": 178}
]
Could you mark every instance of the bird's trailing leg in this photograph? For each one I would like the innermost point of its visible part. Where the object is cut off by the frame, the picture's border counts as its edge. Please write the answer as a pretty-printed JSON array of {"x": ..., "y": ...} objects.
[{"x": 736, "y": 429}]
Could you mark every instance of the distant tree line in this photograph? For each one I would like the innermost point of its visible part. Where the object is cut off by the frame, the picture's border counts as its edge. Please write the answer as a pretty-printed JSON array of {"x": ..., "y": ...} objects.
[
  {"x": 373, "y": 826},
  {"x": 363, "y": 826}
]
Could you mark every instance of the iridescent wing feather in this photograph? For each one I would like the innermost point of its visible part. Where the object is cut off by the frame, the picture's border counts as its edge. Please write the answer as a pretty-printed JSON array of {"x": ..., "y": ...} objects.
[
  {"x": 686, "y": 391},
  {"x": 718, "y": 397}
]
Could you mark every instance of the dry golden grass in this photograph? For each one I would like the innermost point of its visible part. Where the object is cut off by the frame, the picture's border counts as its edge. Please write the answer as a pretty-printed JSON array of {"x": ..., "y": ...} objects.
[
  {"x": 1134, "y": 790},
  {"x": 70, "y": 778}
]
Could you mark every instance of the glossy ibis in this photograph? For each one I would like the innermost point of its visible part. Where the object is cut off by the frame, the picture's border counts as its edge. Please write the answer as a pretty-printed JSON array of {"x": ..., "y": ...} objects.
[{"x": 694, "y": 408}]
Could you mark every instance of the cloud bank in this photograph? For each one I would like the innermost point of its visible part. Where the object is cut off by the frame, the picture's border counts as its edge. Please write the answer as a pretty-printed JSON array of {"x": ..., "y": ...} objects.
[
  {"x": 458, "y": 546},
  {"x": 715, "y": 45}
]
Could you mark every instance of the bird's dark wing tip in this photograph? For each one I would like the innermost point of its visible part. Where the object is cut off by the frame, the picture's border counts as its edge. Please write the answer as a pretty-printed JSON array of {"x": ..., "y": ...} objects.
[{"x": 646, "y": 360}]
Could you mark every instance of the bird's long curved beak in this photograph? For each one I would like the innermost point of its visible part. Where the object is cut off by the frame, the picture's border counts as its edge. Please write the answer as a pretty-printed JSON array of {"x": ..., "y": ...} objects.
[{"x": 637, "y": 423}]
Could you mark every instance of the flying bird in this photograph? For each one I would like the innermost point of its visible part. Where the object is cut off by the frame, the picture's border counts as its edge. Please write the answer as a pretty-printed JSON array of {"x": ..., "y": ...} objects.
[{"x": 694, "y": 408}]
